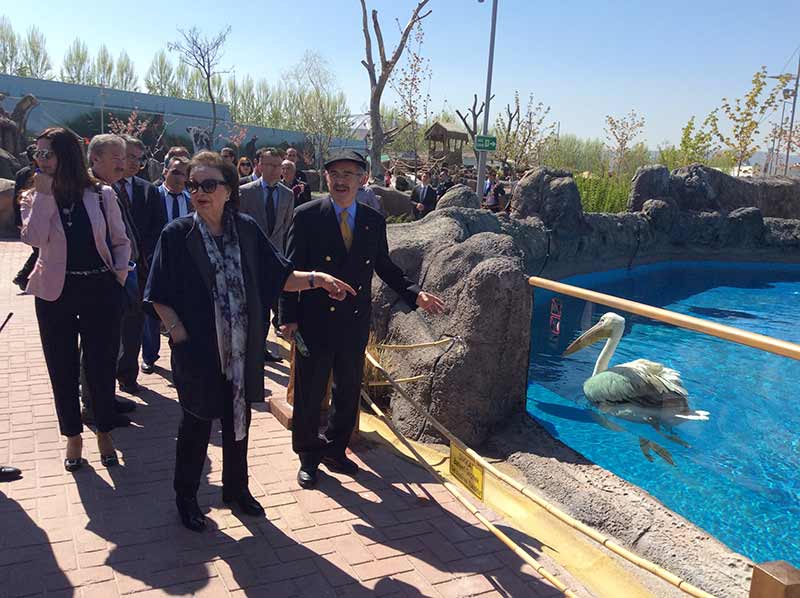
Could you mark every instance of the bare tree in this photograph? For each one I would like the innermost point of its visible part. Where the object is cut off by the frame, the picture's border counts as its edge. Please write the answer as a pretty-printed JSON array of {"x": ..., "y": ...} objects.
[
  {"x": 475, "y": 113},
  {"x": 523, "y": 137},
  {"x": 377, "y": 81},
  {"x": 203, "y": 54}
]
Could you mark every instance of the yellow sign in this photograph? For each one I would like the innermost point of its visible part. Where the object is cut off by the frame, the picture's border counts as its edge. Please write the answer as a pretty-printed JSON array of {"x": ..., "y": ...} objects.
[{"x": 466, "y": 470}]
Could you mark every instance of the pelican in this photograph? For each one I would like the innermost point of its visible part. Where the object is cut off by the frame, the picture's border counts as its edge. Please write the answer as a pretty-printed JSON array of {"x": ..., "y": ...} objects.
[{"x": 639, "y": 390}]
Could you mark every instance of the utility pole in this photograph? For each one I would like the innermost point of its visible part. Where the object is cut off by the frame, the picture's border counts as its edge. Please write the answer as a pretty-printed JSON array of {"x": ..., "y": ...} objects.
[
  {"x": 791, "y": 119},
  {"x": 777, "y": 151},
  {"x": 483, "y": 156},
  {"x": 102, "y": 108}
]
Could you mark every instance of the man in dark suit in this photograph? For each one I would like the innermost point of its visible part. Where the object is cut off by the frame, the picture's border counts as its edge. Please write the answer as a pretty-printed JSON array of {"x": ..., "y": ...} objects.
[
  {"x": 299, "y": 176},
  {"x": 423, "y": 197},
  {"x": 168, "y": 201},
  {"x": 346, "y": 239}
]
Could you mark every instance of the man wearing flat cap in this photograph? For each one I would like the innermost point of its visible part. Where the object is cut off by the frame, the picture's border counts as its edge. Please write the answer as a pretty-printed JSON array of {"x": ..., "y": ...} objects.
[{"x": 348, "y": 240}]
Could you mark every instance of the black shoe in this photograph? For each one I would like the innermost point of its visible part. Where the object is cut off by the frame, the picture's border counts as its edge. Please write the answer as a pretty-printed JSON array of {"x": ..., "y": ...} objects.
[
  {"x": 8, "y": 473},
  {"x": 130, "y": 387},
  {"x": 191, "y": 515},
  {"x": 269, "y": 357},
  {"x": 307, "y": 478},
  {"x": 246, "y": 503},
  {"x": 148, "y": 368},
  {"x": 123, "y": 405},
  {"x": 341, "y": 465},
  {"x": 74, "y": 464}
]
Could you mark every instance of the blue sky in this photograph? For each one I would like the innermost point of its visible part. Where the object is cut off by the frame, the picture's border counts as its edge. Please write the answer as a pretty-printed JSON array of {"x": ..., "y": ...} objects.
[{"x": 585, "y": 59}]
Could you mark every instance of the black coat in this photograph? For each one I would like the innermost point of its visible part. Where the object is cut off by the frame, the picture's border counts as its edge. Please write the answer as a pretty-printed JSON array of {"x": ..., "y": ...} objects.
[
  {"x": 429, "y": 200},
  {"x": 149, "y": 214},
  {"x": 181, "y": 277},
  {"x": 315, "y": 243}
]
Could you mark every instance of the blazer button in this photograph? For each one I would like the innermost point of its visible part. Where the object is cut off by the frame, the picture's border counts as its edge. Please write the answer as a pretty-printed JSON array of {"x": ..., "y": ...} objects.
[
  {"x": 333, "y": 308},
  {"x": 367, "y": 261},
  {"x": 327, "y": 258},
  {"x": 359, "y": 287},
  {"x": 355, "y": 312}
]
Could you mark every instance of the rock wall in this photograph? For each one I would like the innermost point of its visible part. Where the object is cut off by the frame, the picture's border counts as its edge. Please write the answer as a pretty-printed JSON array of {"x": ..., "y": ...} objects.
[{"x": 701, "y": 189}]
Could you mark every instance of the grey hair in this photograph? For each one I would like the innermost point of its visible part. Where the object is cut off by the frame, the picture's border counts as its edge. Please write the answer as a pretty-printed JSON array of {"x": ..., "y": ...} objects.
[{"x": 99, "y": 143}]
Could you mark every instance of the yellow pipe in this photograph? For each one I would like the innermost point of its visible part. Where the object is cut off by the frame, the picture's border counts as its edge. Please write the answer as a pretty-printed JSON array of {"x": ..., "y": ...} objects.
[
  {"x": 750, "y": 339},
  {"x": 656, "y": 570},
  {"x": 499, "y": 534}
]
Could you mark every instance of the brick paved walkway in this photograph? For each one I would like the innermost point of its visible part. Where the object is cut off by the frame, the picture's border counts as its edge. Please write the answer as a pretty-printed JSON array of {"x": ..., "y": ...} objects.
[{"x": 108, "y": 532}]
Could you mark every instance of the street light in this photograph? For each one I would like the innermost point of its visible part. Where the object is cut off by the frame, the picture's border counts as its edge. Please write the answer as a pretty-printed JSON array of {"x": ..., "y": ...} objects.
[{"x": 483, "y": 155}]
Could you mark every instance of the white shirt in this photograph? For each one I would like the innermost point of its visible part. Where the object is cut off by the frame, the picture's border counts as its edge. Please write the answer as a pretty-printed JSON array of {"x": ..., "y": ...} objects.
[{"x": 183, "y": 204}]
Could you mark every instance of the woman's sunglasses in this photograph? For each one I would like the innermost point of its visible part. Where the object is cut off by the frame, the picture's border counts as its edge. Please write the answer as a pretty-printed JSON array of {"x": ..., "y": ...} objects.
[
  {"x": 207, "y": 186},
  {"x": 247, "y": 164},
  {"x": 43, "y": 154}
]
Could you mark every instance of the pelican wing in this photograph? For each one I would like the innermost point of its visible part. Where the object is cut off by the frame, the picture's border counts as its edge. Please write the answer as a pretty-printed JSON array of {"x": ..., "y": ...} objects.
[{"x": 641, "y": 382}]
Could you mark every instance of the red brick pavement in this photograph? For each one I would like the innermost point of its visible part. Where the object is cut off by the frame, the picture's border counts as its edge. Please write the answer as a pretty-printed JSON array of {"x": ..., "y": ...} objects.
[{"x": 102, "y": 532}]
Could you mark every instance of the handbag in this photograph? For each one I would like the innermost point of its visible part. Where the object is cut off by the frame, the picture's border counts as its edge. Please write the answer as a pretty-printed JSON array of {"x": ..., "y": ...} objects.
[{"x": 131, "y": 280}]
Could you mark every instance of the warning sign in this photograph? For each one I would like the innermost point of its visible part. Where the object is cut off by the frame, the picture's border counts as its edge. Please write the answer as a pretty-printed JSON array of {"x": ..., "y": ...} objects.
[{"x": 466, "y": 470}]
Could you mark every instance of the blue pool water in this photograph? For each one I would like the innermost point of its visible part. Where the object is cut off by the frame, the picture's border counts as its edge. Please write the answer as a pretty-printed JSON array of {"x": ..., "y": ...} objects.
[{"x": 737, "y": 475}]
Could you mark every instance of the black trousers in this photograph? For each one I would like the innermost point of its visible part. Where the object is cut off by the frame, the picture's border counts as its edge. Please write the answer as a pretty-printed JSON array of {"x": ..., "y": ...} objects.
[
  {"x": 89, "y": 307},
  {"x": 130, "y": 343},
  {"x": 192, "y": 448},
  {"x": 310, "y": 383}
]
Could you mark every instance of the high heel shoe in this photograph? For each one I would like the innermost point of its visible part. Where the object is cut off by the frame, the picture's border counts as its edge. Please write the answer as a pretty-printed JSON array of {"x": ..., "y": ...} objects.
[
  {"x": 74, "y": 448},
  {"x": 108, "y": 456}
]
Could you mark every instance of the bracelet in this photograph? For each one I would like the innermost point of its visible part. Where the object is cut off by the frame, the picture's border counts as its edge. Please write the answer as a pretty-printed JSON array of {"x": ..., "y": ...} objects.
[{"x": 311, "y": 280}]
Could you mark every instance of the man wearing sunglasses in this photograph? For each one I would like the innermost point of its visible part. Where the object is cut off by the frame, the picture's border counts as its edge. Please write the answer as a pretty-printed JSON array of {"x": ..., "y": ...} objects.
[
  {"x": 346, "y": 239},
  {"x": 170, "y": 200}
]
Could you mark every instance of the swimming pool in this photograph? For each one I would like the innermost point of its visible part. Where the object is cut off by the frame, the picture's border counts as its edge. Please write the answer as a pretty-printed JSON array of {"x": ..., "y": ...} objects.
[{"x": 736, "y": 475}]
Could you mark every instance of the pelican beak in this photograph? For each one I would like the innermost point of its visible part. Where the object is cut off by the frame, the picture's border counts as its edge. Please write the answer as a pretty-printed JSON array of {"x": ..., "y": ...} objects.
[{"x": 596, "y": 333}]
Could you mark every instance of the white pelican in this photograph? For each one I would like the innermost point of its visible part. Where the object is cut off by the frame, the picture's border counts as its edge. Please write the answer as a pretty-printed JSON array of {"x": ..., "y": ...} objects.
[{"x": 639, "y": 390}]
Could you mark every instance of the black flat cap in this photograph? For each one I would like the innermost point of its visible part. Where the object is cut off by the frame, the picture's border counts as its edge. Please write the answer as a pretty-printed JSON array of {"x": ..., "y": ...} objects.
[{"x": 349, "y": 155}]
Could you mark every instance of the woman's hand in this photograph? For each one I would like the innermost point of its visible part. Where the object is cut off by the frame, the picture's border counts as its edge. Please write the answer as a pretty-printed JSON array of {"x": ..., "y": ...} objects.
[
  {"x": 337, "y": 289},
  {"x": 430, "y": 303},
  {"x": 43, "y": 183}
]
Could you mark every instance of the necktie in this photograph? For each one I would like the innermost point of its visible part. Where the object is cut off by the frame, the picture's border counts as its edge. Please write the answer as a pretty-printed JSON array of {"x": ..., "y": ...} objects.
[
  {"x": 347, "y": 233},
  {"x": 176, "y": 208},
  {"x": 122, "y": 193},
  {"x": 270, "y": 205}
]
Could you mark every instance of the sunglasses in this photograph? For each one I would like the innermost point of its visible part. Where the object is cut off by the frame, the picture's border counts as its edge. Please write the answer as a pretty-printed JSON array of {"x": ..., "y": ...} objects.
[
  {"x": 207, "y": 186},
  {"x": 43, "y": 154},
  {"x": 247, "y": 164},
  {"x": 141, "y": 160}
]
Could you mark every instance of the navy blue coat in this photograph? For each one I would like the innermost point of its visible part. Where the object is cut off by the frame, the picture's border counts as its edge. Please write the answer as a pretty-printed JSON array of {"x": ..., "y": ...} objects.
[
  {"x": 181, "y": 277},
  {"x": 315, "y": 242}
]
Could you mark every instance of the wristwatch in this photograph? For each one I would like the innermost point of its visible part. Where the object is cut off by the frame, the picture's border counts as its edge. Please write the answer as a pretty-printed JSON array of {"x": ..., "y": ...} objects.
[{"x": 311, "y": 280}]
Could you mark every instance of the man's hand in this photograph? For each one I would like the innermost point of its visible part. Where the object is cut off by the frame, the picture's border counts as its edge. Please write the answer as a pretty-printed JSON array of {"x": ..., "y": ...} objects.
[
  {"x": 178, "y": 334},
  {"x": 430, "y": 303},
  {"x": 288, "y": 330},
  {"x": 43, "y": 183},
  {"x": 420, "y": 207},
  {"x": 337, "y": 289}
]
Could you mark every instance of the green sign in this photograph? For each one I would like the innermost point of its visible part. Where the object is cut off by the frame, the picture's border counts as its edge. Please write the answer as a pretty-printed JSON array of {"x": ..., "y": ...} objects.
[
  {"x": 485, "y": 143},
  {"x": 384, "y": 157}
]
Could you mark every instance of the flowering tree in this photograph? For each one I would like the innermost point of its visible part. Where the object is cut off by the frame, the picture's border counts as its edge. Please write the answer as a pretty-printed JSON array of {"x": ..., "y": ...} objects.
[
  {"x": 620, "y": 133},
  {"x": 133, "y": 126}
]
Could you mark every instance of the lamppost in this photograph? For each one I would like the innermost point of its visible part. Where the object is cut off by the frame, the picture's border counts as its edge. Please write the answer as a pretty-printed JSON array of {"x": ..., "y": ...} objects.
[{"x": 483, "y": 155}]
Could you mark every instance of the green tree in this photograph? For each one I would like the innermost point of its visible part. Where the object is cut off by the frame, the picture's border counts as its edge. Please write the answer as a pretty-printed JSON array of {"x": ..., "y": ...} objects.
[
  {"x": 160, "y": 77},
  {"x": 76, "y": 66},
  {"x": 697, "y": 145},
  {"x": 744, "y": 116},
  {"x": 522, "y": 137},
  {"x": 9, "y": 48},
  {"x": 620, "y": 133},
  {"x": 103, "y": 68},
  {"x": 125, "y": 74},
  {"x": 34, "y": 61}
]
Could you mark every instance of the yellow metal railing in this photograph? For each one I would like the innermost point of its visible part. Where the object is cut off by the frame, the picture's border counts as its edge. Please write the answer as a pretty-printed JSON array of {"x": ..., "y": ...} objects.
[{"x": 751, "y": 339}]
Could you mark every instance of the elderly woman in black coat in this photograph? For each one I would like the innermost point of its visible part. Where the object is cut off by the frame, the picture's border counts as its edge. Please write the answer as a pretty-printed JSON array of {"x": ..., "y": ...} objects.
[{"x": 213, "y": 279}]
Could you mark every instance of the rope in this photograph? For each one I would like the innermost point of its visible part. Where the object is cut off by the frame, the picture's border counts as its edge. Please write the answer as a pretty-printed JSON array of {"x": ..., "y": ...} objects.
[
  {"x": 398, "y": 380},
  {"x": 451, "y": 339},
  {"x": 452, "y": 489}
]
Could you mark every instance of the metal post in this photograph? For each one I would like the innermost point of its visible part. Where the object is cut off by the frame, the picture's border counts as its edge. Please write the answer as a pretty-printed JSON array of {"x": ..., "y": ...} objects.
[
  {"x": 780, "y": 137},
  {"x": 102, "y": 109},
  {"x": 482, "y": 156},
  {"x": 791, "y": 120}
]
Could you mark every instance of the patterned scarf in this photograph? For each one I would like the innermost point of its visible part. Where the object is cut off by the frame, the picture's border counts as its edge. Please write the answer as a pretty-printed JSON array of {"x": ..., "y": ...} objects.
[{"x": 230, "y": 312}]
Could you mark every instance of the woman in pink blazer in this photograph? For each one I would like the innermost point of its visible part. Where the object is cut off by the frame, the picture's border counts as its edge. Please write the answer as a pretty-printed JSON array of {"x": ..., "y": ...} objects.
[{"x": 78, "y": 283}]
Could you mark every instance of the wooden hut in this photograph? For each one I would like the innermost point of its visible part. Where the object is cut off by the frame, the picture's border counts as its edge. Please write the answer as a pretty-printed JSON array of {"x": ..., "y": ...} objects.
[{"x": 446, "y": 141}]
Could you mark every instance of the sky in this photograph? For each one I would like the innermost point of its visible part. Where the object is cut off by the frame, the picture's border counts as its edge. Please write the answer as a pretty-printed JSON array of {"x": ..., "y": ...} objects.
[{"x": 585, "y": 59}]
